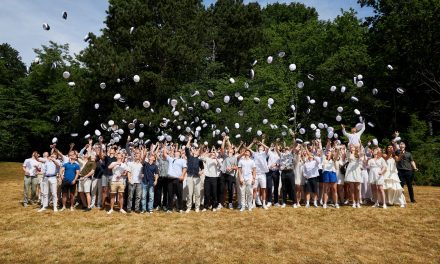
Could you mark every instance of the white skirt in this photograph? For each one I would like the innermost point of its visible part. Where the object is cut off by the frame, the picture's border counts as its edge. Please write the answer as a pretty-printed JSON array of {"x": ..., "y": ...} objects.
[
  {"x": 353, "y": 173},
  {"x": 393, "y": 190}
]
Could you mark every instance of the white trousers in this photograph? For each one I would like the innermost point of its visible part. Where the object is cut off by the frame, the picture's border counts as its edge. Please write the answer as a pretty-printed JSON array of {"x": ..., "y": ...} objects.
[
  {"x": 49, "y": 183},
  {"x": 194, "y": 185},
  {"x": 246, "y": 191},
  {"x": 96, "y": 191}
]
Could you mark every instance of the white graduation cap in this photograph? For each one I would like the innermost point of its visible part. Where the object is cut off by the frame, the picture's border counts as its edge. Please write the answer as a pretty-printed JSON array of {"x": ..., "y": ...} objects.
[
  {"x": 333, "y": 88},
  {"x": 131, "y": 30},
  {"x": 343, "y": 88},
  {"x": 173, "y": 102},
  {"x": 313, "y": 126},
  {"x": 324, "y": 104},
  {"x": 340, "y": 109},
  {"x": 312, "y": 101},
  {"x": 293, "y": 107},
  {"x": 231, "y": 80},
  {"x": 246, "y": 85},
  {"x": 195, "y": 93},
  {"x": 375, "y": 142},
  {"x": 146, "y": 104},
  {"x": 390, "y": 67},
  {"x": 321, "y": 125},
  {"x": 292, "y": 67},
  {"x": 218, "y": 110},
  {"x": 249, "y": 130},
  {"x": 240, "y": 98},
  {"x": 117, "y": 96},
  {"x": 302, "y": 131},
  {"x": 300, "y": 84},
  {"x": 96, "y": 106},
  {"x": 359, "y": 126},
  {"x": 252, "y": 73},
  {"x": 237, "y": 94},
  {"x": 254, "y": 63},
  {"x": 71, "y": 84},
  {"x": 66, "y": 75},
  {"x": 269, "y": 59},
  {"x": 357, "y": 112},
  {"x": 102, "y": 85},
  {"x": 281, "y": 54},
  {"x": 240, "y": 112},
  {"x": 354, "y": 98},
  {"x": 265, "y": 121},
  {"x": 136, "y": 78},
  {"x": 210, "y": 93},
  {"x": 131, "y": 126},
  {"x": 311, "y": 77},
  {"x": 57, "y": 118},
  {"x": 256, "y": 99},
  {"x": 176, "y": 113},
  {"x": 86, "y": 122},
  {"x": 370, "y": 124},
  {"x": 270, "y": 101},
  {"x": 259, "y": 133},
  {"x": 238, "y": 136},
  {"x": 226, "y": 99},
  {"x": 360, "y": 77},
  {"x": 338, "y": 118},
  {"x": 359, "y": 84},
  {"x": 375, "y": 91},
  {"x": 330, "y": 134},
  {"x": 87, "y": 136},
  {"x": 73, "y": 134},
  {"x": 400, "y": 90},
  {"x": 111, "y": 122},
  {"x": 54, "y": 140},
  {"x": 97, "y": 132}
]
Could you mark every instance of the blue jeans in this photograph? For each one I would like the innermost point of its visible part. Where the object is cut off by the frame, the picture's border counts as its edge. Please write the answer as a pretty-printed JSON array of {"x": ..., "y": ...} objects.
[{"x": 147, "y": 191}]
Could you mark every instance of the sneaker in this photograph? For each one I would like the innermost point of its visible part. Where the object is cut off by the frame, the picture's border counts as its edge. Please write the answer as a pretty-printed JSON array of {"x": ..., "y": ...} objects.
[
  {"x": 76, "y": 204},
  {"x": 142, "y": 212},
  {"x": 180, "y": 211},
  {"x": 150, "y": 212},
  {"x": 250, "y": 209},
  {"x": 295, "y": 205},
  {"x": 25, "y": 205},
  {"x": 283, "y": 205},
  {"x": 72, "y": 209},
  {"x": 324, "y": 206},
  {"x": 169, "y": 212},
  {"x": 384, "y": 206},
  {"x": 88, "y": 209},
  {"x": 197, "y": 210},
  {"x": 307, "y": 205},
  {"x": 55, "y": 210},
  {"x": 346, "y": 202},
  {"x": 265, "y": 207},
  {"x": 277, "y": 205},
  {"x": 241, "y": 209},
  {"x": 204, "y": 210},
  {"x": 337, "y": 206},
  {"x": 214, "y": 210},
  {"x": 298, "y": 204},
  {"x": 354, "y": 205},
  {"x": 375, "y": 205},
  {"x": 62, "y": 209},
  {"x": 402, "y": 206},
  {"x": 320, "y": 202},
  {"x": 230, "y": 206},
  {"x": 158, "y": 208},
  {"x": 42, "y": 209},
  {"x": 219, "y": 206},
  {"x": 269, "y": 204},
  {"x": 315, "y": 204},
  {"x": 188, "y": 210},
  {"x": 122, "y": 211},
  {"x": 258, "y": 202},
  {"x": 358, "y": 205},
  {"x": 110, "y": 211}
]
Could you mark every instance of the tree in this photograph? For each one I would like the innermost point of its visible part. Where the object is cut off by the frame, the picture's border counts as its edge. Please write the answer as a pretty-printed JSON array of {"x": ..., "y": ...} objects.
[{"x": 11, "y": 66}]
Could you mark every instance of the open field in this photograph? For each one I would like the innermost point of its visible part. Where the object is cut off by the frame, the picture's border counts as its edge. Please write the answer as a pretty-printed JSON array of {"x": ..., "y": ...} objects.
[{"x": 347, "y": 235}]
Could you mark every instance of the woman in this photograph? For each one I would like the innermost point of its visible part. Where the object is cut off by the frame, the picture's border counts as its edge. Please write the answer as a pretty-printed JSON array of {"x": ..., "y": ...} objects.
[
  {"x": 353, "y": 174},
  {"x": 378, "y": 167},
  {"x": 339, "y": 163},
  {"x": 299, "y": 179},
  {"x": 393, "y": 189},
  {"x": 311, "y": 174},
  {"x": 329, "y": 177}
]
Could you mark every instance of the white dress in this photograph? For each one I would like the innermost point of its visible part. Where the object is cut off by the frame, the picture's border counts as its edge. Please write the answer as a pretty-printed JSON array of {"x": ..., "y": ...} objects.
[
  {"x": 299, "y": 178},
  {"x": 375, "y": 166},
  {"x": 339, "y": 175},
  {"x": 393, "y": 189},
  {"x": 353, "y": 172},
  {"x": 366, "y": 192}
]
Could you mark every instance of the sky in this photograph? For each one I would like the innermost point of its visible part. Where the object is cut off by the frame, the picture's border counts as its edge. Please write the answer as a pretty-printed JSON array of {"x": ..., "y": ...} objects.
[{"x": 21, "y": 20}]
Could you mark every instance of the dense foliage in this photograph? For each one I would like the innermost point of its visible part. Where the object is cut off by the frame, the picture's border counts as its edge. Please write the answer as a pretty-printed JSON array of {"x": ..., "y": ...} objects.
[{"x": 178, "y": 48}]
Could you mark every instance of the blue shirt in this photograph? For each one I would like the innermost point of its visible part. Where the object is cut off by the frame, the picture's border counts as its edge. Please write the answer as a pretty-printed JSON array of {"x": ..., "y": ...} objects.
[
  {"x": 70, "y": 171},
  {"x": 149, "y": 170},
  {"x": 193, "y": 164}
]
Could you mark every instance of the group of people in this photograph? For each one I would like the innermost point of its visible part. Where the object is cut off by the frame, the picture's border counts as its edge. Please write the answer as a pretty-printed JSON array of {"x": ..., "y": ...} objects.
[{"x": 164, "y": 175}]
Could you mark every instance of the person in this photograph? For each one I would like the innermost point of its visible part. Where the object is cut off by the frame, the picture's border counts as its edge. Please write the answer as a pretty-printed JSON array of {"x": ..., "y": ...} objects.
[
  {"x": 353, "y": 174},
  {"x": 69, "y": 175},
  {"x": 85, "y": 181},
  {"x": 96, "y": 190},
  {"x": 134, "y": 184},
  {"x": 260, "y": 159},
  {"x": 50, "y": 165},
  {"x": 149, "y": 182},
  {"x": 176, "y": 175},
  {"x": 120, "y": 172},
  {"x": 378, "y": 167},
  {"x": 287, "y": 166},
  {"x": 160, "y": 190},
  {"x": 228, "y": 169},
  {"x": 405, "y": 166},
  {"x": 329, "y": 177},
  {"x": 212, "y": 166},
  {"x": 273, "y": 175},
  {"x": 301, "y": 155},
  {"x": 30, "y": 168},
  {"x": 193, "y": 178},
  {"x": 311, "y": 173},
  {"x": 393, "y": 189},
  {"x": 340, "y": 171},
  {"x": 246, "y": 174},
  {"x": 108, "y": 159},
  {"x": 354, "y": 138}
]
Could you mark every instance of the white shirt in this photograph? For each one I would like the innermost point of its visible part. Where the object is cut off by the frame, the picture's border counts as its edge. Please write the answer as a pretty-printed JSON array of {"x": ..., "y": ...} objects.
[
  {"x": 118, "y": 170},
  {"x": 328, "y": 165},
  {"x": 260, "y": 159},
  {"x": 175, "y": 167},
  {"x": 31, "y": 167},
  {"x": 136, "y": 170},
  {"x": 50, "y": 168},
  {"x": 212, "y": 167},
  {"x": 246, "y": 166},
  {"x": 311, "y": 168},
  {"x": 354, "y": 139},
  {"x": 274, "y": 158}
]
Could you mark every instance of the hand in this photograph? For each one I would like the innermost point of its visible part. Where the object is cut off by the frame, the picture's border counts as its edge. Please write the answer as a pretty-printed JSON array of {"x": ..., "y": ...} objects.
[
  {"x": 71, "y": 145},
  {"x": 181, "y": 178},
  {"x": 253, "y": 181},
  {"x": 74, "y": 181}
]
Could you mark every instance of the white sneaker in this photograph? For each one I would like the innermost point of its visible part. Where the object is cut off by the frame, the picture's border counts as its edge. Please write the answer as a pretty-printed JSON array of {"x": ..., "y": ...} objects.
[
  {"x": 219, "y": 206},
  {"x": 384, "y": 206},
  {"x": 324, "y": 206},
  {"x": 197, "y": 210},
  {"x": 180, "y": 211},
  {"x": 214, "y": 210},
  {"x": 76, "y": 204},
  {"x": 269, "y": 204},
  {"x": 55, "y": 210},
  {"x": 277, "y": 205},
  {"x": 71, "y": 209},
  {"x": 295, "y": 206},
  {"x": 110, "y": 211},
  {"x": 354, "y": 205},
  {"x": 298, "y": 205},
  {"x": 258, "y": 202},
  {"x": 346, "y": 202},
  {"x": 169, "y": 211},
  {"x": 265, "y": 207},
  {"x": 122, "y": 211},
  {"x": 320, "y": 202},
  {"x": 188, "y": 210},
  {"x": 230, "y": 206},
  {"x": 337, "y": 206},
  {"x": 358, "y": 205},
  {"x": 283, "y": 205},
  {"x": 250, "y": 209},
  {"x": 375, "y": 205},
  {"x": 402, "y": 206},
  {"x": 42, "y": 209},
  {"x": 307, "y": 205},
  {"x": 204, "y": 210},
  {"x": 315, "y": 204},
  {"x": 62, "y": 209},
  {"x": 242, "y": 209}
]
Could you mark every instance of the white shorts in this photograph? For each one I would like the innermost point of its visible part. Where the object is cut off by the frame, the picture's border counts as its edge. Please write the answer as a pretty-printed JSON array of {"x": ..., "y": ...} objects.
[
  {"x": 260, "y": 181},
  {"x": 84, "y": 185}
]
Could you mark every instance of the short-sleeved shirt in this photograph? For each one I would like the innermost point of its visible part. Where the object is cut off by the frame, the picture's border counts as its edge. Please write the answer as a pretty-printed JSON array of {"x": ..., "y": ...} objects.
[
  {"x": 260, "y": 159},
  {"x": 228, "y": 162},
  {"x": 118, "y": 172},
  {"x": 70, "y": 170},
  {"x": 149, "y": 171},
  {"x": 274, "y": 159},
  {"x": 107, "y": 161},
  {"x": 405, "y": 162},
  {"x": 31, "y": 167},
  {"x": 50, "y": 168},
  {"x": 88, "y": 167},
  {"x": 311, "y": 168},
  {"x": 246, "y": 166},
  {"x": 136, "y": 171},
  {"x": 175, "y": 167}
]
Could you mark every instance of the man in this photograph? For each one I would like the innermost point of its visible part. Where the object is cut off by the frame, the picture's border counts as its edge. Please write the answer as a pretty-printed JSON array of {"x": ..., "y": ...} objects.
[
  {"x": 260, "y": 159},
  {"x": 149, "y": 181},
  {"x": 85, "y": 181},
  {"x": 193, "y": 181},
  {"x": 30, "y": 168},
  {"x": 134, "y": 185},
  {"x": 49, "y": 182},
  {"x": 228, "y": 169},
  {"x": 287, "y": 167},
  {"x": 246, "y": 175},
  {"x": 69, "y": 175},
  {"x": 211, "y": 165},
  {"x": 107, "y": 176},
  {"x": 405, "y": 166},
  {"x": 273, "y": 176},
  {"x": 96, "y": 190},
  {"x": 176, "y": 176},
  {"x": 120, "y": 171},
  {"x": 161, "y": 188}
]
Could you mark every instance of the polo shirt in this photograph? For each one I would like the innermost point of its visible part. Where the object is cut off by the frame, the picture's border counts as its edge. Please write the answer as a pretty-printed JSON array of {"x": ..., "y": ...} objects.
[
  {"x": 70, "y": 171},
  {"x": 149, "y": 171},
  {"x": 246, "y": 166},
  {"x": 175, "y": 167},
  {"x": 405, "y": 162}
]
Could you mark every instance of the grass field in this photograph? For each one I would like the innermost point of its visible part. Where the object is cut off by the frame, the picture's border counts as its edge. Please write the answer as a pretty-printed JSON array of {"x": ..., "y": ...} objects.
[{"x": 347, "y": 235}]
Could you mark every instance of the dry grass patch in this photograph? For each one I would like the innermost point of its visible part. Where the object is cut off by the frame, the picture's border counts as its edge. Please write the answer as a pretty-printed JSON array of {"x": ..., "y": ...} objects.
[{"x": 366, "y": 235}]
